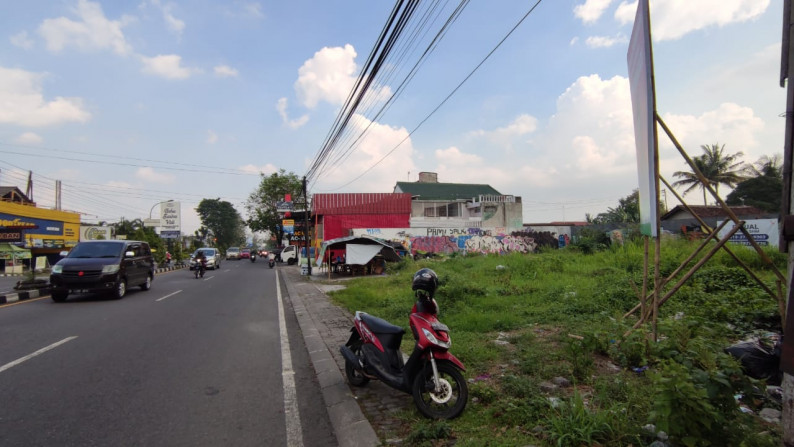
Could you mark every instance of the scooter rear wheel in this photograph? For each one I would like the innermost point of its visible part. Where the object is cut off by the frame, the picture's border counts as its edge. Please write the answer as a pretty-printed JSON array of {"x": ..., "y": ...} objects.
[
  {"x": 450, "y": 401},
  {"x": 354, "y": 377}
]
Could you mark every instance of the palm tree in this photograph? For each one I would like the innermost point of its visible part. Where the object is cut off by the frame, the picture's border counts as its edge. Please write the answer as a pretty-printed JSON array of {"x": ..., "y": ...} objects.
[{"x": 717, "y": 167}]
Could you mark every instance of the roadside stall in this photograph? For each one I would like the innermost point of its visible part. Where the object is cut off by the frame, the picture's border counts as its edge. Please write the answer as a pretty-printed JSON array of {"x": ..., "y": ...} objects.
[
  {"x": 356, "y": 255},
  {"x": 12, "y": 257}
]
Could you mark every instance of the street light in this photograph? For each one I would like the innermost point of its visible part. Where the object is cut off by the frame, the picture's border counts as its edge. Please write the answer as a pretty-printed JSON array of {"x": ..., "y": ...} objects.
[{"x": 158, "y": 203}]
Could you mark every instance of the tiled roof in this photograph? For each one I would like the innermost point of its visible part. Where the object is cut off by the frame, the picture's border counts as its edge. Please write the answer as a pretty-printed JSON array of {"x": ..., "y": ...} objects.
[
  {"x": 715, "y": 211},
  {"x": 444, "y": 191}
]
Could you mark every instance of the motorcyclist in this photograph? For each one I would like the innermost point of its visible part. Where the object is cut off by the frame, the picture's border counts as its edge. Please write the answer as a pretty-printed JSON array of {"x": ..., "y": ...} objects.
[{"x": 201, "y": 261}]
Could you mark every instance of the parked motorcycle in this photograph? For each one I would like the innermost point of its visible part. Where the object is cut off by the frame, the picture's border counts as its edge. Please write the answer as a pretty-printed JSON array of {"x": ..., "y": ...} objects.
[{"x": 432, "y": 375}]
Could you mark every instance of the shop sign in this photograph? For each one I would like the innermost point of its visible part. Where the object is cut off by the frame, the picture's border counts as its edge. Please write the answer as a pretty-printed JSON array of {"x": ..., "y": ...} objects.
[{"x": 10, "y": 236}]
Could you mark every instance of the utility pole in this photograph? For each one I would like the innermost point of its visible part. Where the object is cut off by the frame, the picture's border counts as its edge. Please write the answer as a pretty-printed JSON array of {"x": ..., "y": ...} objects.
[
  {"x": 306, "y": 227},
  {"x": 787, "y": 214}
]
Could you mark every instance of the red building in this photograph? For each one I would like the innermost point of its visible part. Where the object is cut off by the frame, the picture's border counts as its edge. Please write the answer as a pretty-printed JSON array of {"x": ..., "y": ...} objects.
[{"x": 335, "y": 215}]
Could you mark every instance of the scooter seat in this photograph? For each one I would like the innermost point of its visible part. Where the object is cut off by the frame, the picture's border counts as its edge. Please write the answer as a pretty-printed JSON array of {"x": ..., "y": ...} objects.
[{"x": 381, "y": 326}]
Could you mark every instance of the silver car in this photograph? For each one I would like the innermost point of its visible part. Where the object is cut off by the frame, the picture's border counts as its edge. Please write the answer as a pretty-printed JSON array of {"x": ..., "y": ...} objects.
[{"x": 212, "y": 255}]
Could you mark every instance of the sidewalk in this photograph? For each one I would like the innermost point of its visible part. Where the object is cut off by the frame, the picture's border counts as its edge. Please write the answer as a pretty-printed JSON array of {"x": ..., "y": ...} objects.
[{"x": 325, "y": 328}]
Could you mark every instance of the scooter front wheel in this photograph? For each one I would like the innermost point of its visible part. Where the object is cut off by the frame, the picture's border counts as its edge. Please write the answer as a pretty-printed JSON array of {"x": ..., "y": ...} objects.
[
  {"x": 354, "y": 377},
  {"x": 446, "y": 403}
]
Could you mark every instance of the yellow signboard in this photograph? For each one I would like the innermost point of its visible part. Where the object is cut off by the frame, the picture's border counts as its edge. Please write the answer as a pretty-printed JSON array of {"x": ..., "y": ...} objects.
[{"x": 288, "y": 222}]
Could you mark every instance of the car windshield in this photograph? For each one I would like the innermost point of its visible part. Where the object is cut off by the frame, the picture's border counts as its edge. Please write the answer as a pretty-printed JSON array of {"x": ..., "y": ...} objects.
[
  {"x": 233, "y": 249},
  {"x": 97, "y": 250}
]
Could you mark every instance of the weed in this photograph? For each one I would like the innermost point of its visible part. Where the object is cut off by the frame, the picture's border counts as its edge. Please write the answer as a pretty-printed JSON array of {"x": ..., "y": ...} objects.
[
  {"x": 429, "y": 431},
  {"x": 573, "y": 424}
]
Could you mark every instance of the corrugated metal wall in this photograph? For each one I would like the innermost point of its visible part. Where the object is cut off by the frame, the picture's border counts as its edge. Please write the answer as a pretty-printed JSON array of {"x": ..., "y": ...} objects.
[{"x": 361, "y": 203}]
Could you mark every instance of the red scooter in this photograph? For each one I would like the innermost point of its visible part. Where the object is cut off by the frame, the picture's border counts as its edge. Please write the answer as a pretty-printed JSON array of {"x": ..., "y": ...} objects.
[{"x": 431, "y": 374}]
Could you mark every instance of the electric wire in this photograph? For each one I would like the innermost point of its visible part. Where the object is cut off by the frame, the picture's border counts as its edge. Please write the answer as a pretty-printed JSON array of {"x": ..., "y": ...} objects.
[{"x": 447, "y": 97}]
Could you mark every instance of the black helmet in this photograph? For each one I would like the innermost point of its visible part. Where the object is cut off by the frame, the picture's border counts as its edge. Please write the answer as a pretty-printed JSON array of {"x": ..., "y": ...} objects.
[{"x": 425, "y": 280}]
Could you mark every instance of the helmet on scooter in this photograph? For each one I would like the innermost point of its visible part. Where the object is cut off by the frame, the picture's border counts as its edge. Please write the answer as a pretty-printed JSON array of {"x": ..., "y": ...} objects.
[{"x": 425, "y": 282}]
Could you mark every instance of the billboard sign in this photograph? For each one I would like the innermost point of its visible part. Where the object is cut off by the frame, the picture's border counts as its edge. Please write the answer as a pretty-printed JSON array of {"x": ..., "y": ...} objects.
[
  {"x": 640, "y": 64},
  {"x": 763, "y": 232},
  {"x": 170, "y": 217},
  {"x": 94, "y": 233}
]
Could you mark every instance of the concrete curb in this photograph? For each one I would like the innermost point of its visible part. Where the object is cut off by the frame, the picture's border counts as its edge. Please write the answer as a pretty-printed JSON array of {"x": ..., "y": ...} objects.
[
  {"x": 24, "y": 295},
  {"x": 351, "y": 427}
]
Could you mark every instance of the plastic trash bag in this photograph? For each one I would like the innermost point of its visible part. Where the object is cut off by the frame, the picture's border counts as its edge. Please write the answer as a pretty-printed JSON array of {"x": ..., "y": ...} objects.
[{"x": 760, "y": 357}]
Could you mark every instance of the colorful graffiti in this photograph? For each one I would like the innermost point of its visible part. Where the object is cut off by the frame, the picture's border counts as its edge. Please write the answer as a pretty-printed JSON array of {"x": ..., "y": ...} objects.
[{"x": 465, "y": 240}]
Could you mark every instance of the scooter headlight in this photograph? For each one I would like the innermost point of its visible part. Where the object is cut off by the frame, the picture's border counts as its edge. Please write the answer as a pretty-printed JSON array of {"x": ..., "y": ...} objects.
[{"x": 432, "y": 338}]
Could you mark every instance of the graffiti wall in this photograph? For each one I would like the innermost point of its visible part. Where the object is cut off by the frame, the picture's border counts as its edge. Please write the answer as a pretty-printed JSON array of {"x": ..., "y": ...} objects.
[{"x": 422, "y": 241}]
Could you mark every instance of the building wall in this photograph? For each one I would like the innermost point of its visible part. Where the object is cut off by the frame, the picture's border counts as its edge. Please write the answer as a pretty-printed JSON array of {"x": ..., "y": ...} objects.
[
  {"x": 420, "y": 241},
  {"x": 55, "y": 229}
]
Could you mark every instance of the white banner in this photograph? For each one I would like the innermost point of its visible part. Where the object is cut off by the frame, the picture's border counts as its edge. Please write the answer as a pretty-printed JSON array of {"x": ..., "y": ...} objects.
[{"x": 763, "y": 231}]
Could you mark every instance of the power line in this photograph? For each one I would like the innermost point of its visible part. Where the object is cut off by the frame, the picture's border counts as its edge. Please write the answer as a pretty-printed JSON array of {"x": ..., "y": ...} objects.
[{"x": 448, "y": 96}]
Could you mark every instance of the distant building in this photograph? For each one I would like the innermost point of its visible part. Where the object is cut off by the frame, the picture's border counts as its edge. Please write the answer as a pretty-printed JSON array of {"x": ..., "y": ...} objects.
[
  {"x": 336, "y": 215},
  {"x": 680, "y": 220},
  {"x": 459, "y": 205}
]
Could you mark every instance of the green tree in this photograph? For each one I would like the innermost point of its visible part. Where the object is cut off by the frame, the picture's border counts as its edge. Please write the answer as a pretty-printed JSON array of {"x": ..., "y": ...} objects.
[
  {"x": 627, "y": 211},
  {"x": 764, "y": 189},
  {"x": 127, "y": 227},
  {"x": 261, "y": 204},
  {"x": 716, "y": 166},
  {"x": 222, "y": 221}
]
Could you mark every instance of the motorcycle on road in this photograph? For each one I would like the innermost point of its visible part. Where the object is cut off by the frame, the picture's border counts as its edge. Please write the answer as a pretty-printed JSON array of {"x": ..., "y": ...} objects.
[
  {"x": 201, "y": 267},
  {"x": 432, "y": 375}
]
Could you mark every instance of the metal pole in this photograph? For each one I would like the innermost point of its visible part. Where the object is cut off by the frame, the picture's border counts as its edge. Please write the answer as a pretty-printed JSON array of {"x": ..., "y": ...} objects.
[{"x": 306, "y": 226}]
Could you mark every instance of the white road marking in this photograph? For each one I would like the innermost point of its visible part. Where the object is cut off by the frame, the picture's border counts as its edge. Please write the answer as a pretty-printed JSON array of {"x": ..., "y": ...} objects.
[
  {"x": 291, "y": 413},
  {"x": 40, "y": 351},
  {"x": 169, "y": 295}
]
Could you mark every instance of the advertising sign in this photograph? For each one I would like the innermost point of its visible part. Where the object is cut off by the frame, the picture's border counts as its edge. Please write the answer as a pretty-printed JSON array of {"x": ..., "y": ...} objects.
[
  {"x": 94, "y": 233},
  {"x": 763, "y": 232},
  {"x": 170, "y": 216},
  {"x": 640, "y": 64}
]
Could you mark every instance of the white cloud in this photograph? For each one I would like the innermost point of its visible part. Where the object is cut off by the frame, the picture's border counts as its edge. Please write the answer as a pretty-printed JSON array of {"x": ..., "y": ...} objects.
[
  {"x": 730, "y": 123},
  {"x": 212, "y": 137},
  {"x": 150, "y": 176},
  {"x": 253, "y": 9},
  {"x": 22, "y": 102},
  {"x": 168, "y": 66},
  {"x": 28, "y": 138},
  {"x": 328, "y": 76},
  {"x": 672, "y": 19},
  {"x": 245, "y": 10},
  {"x": 22, "y": 40},
  {"x": 605, "y": 41},
  {"x": 506, "y": 137},
  {"x": 174, "y": 24},
  {"x": 92, "y": 31},
  {"x": 281, "y": 107},
  {"x": 381, "y": 140},
  {"x": 225, "y": 71},
  {"x": 253, "y": 169},
  {"x": 591, "y": 10}
]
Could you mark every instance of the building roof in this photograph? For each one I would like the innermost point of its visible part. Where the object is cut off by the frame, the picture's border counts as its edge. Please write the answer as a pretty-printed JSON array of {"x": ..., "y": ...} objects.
[
  {"x": 444, "y": 191},
  {"x": 13, "y": 194},
  {"x": 713, "y": 211}
]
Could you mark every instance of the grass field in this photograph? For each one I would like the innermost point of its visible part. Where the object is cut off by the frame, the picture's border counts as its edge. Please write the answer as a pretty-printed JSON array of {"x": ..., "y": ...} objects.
[{"x": 542, "y": 338}]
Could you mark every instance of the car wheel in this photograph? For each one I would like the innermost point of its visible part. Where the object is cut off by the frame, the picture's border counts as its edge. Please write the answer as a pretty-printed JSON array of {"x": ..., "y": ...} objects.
[
  {"x": 59, "y": 296},
  {"x": 148, "y": 284},
  {"x": 290, "y": 261},
  {"x": 120, "y": 290}
]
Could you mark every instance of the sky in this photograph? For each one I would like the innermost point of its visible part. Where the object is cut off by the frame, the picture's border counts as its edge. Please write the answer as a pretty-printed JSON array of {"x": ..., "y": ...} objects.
[{"x": 132, "y": 103}]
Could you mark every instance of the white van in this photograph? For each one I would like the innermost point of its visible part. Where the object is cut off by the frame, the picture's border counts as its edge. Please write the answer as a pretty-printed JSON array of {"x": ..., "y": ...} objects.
[{"x": 289, "y": 254}]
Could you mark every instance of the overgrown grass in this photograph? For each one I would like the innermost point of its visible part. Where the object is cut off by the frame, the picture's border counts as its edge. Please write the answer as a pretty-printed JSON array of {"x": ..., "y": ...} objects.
[{"x": 561, "y": 314}]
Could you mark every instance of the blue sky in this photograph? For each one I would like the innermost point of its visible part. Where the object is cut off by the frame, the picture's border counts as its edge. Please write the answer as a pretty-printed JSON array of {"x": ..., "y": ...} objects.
[{"x": 130, "y": 103}]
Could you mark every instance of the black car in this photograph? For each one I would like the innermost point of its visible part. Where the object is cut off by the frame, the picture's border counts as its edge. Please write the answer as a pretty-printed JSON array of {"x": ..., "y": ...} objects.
[{"x": 109, "y": 266}]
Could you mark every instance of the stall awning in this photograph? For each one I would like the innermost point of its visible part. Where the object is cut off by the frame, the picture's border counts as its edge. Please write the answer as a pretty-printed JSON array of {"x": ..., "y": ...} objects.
[
  {"x": 359, "y": 252},
  {"x": 11, "y": 251}
]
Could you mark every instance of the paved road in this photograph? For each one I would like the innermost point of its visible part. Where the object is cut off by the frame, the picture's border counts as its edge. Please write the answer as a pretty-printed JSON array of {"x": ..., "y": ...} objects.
[{"x": 190, "y": 362}]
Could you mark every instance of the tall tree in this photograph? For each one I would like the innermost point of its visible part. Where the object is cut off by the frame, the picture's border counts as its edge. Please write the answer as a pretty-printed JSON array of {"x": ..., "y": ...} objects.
[
  {"x": 763, "y": 189},
  {"x": 261, "y": 204},
  {"x": 223, "y": 222},
  {"x": 627, "y": 211},
  {"x": 716, "y": 166}
]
